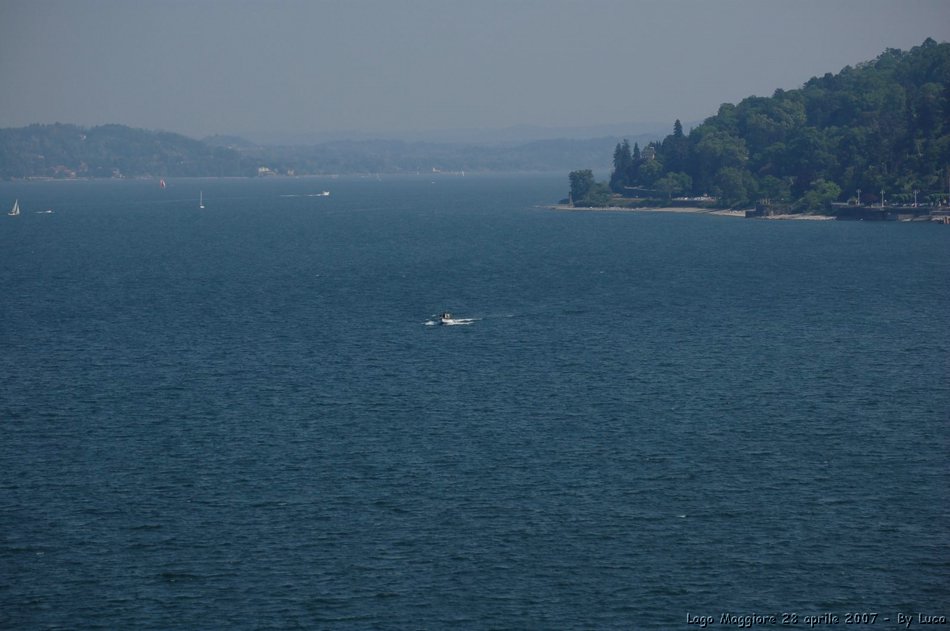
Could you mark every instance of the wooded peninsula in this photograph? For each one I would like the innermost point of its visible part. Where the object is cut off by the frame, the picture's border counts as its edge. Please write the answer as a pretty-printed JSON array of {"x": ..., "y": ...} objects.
[{"x": 876, "y": 134}]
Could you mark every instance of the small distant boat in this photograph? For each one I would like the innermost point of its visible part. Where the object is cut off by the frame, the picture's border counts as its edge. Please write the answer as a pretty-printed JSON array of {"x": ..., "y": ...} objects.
[
  {"x": 201, "y": 199},
  {"x": 324, "y": 194},
  {"x": 16, "y": 209},
  {"x": 447, "y": 318},
  {"x": 161, "y": 183},
  {"x": 48, "y": 211}
]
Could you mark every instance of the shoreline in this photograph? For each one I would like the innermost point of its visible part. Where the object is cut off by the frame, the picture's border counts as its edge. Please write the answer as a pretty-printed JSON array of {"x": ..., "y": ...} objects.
[{"x": 696, "y": 211}]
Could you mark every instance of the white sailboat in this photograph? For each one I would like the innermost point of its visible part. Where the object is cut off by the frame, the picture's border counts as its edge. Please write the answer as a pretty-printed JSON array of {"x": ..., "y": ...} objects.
[
  {"x": 16, "y": 209},
  {"x": 201, "y": 199}
]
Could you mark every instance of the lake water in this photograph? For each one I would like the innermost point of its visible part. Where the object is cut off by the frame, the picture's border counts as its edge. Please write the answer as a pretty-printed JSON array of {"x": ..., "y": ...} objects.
[{"x": 238, "y": 417}]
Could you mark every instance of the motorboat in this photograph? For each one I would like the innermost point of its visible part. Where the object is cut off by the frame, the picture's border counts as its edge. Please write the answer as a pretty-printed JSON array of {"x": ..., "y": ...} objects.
[{"x": 447, "y": 319}]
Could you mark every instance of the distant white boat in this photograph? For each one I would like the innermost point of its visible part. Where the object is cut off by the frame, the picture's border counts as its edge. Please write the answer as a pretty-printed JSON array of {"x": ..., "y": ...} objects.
[
  {"x": 16, "y": 209},
  {"x": 324, "y": 194},
  {"x": 447, "y": 319},
  {"x": 201, "y": 199}
]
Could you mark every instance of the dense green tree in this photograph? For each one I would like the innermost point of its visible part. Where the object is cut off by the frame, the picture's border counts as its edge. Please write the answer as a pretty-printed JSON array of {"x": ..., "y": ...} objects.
[
  {"x": 674, "y": 151},
  {"x": 599, "y": 195},
  {"x": 883, "y": 124},
  {"x": 819, "y": 197},
  {"x": 649, "y": 171},
  {"x": 674, "y": 184},
  {"x": 715, "y": 150},
  {"x": 773, "y": 189},
  {"x": 585, "y": 191},
  {"x": 623, "y": 163},
  {"x": 734, "y": 186},
  {"x": 582, "y": 181}
]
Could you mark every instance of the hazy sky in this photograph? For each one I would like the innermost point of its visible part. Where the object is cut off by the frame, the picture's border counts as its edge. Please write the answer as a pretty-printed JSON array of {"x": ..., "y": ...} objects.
[{"x": 200, "y": 67}]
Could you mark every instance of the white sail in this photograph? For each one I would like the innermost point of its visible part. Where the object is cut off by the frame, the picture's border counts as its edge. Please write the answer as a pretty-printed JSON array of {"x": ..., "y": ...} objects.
[
  {"x": 201, "y": 199},
  {"x": 16, "y": 209}
]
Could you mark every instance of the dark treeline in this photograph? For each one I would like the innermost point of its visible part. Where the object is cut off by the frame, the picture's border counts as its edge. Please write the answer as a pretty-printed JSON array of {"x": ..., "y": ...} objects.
[{"x": 883, "y": 125}]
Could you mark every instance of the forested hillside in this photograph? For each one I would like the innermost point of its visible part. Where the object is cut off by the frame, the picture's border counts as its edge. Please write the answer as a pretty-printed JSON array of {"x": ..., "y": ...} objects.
[
  {"x": 60, "y": 150},
  {"x": 883, "y": 125}
]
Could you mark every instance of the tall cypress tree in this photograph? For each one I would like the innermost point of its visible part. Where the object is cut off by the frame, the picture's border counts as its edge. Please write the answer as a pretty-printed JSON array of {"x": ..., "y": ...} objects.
[{"x": 623, "y": 160}]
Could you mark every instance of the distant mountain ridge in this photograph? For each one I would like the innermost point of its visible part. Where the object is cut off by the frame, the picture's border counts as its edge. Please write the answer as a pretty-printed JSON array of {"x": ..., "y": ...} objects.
[
  {"x": 66, "y": 151},
  {"x": 396, "y": 156},
  {"x": 506, "y": 136}
]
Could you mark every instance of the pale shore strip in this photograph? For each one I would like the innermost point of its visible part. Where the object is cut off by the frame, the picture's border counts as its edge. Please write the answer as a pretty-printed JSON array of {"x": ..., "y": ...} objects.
[
  {"x": 799, "y": 217},
  {"x": 695, "y": 211},
  {"x": 667, "y": 209}
]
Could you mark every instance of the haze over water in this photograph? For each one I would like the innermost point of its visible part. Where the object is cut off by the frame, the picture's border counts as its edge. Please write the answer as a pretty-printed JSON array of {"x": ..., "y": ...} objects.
[
  {"x": 237, "y": 416},
  {"x": 299, "y": 71}
]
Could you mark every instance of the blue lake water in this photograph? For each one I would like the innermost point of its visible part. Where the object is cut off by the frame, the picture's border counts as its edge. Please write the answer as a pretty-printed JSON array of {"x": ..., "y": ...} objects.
[{"x": 237, "y": 417}]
